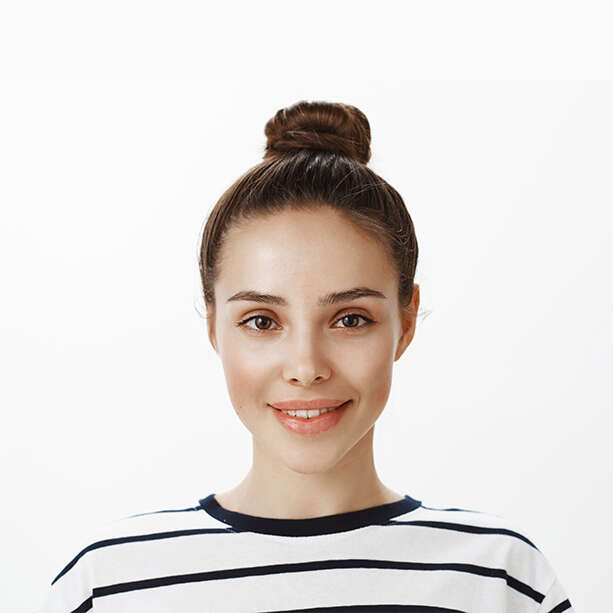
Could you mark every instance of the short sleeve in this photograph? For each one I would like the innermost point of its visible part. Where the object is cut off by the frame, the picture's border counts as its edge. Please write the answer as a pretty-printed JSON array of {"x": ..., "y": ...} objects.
[{"x": 556, "y": 600}]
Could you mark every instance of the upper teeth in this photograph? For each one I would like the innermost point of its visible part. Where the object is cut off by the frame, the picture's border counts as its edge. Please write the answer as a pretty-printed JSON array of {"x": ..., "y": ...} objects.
[{"x": 308, "y": 413}]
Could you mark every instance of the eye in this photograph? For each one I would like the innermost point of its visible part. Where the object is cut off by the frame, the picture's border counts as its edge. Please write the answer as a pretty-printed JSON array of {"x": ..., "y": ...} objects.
[
  {"x": 354, "y": 316},
  {"x": 349, "y": 316},
  {"x": 244, "y": 322}
]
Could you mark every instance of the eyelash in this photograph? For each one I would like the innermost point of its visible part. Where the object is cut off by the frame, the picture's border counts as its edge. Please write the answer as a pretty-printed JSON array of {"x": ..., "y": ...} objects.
[{"x": 368, "y": 320}]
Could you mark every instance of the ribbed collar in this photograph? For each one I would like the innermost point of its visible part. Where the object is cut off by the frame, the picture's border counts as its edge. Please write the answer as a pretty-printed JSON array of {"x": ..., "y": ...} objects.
[{"x": 327, "y": 524}]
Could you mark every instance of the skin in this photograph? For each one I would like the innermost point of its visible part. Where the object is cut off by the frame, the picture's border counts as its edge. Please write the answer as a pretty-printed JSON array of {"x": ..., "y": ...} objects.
[{"x": 308, "y": 351}]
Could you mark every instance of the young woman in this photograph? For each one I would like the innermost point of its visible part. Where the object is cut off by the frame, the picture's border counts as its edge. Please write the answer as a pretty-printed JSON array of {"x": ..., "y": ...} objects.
[{"x": 308, "y": 263}]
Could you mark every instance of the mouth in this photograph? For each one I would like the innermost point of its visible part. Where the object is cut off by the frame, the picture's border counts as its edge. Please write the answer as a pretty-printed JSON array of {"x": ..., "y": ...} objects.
[
  {"x": 310, "y": 414},
  {"x": 311, "y": 426}
]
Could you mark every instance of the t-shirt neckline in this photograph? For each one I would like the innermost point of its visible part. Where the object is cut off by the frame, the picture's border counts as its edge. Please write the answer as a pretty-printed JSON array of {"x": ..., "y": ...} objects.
[{"x": 327, "y": 524}]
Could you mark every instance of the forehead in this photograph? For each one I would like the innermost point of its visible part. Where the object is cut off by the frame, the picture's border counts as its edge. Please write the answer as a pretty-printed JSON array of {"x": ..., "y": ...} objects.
[{"x": 312, "y": 252}]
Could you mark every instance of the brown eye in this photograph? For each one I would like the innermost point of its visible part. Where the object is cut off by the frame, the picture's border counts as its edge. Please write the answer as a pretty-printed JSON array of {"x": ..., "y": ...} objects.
[
  {"x": 255, "y": 318},
  {"x": 261, "y": 318},
  {"x": 354, "y": 317},
  {"x": 350, "y": 317},
  {"x": 347, "y": 319}
]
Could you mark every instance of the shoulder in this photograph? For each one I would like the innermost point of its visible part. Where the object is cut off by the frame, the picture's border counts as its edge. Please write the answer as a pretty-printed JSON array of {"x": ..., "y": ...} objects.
[
  {"x": 486, "y": 543},
  {"x": 115, "y": 550},
  {"x": 472, "y": 521},
  {"x": 112, "y": 537}
]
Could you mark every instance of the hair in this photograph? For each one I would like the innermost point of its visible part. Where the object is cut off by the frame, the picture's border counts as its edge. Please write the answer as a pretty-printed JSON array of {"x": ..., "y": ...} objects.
[{"x": 316, "y": 155}]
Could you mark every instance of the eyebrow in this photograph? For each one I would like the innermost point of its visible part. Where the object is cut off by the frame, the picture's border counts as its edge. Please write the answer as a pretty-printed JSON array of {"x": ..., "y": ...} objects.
[{"x": 326, "y": 300}]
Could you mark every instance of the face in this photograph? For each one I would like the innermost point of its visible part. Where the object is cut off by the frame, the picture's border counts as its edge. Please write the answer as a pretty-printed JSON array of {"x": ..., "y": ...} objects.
[{"x": 301, "y": 349}]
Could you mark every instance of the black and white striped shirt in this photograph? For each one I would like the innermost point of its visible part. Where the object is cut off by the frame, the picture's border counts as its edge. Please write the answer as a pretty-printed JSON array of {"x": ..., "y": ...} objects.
[{"x": 401, "y": 556}]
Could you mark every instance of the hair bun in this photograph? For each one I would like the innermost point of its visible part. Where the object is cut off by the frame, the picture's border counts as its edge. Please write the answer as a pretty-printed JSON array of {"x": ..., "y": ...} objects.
[{"x": 328, "y": 126}]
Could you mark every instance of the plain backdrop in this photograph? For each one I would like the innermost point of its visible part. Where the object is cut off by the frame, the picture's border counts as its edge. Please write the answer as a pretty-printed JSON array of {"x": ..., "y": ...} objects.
[{"x": 114, "y": 402}]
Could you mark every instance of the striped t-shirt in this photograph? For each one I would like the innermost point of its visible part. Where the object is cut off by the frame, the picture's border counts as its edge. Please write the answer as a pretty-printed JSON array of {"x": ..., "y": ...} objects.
[{"x": 400, "y": 556}]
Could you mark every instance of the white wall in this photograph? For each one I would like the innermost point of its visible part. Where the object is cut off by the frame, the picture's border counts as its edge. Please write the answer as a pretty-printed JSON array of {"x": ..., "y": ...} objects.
[{"x": 113, "y": 401}]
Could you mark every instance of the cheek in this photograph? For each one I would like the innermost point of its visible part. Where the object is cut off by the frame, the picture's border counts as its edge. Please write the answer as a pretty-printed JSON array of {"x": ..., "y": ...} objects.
[
  {"x": 381, "y": 390},
  {"x": 370, "y": 369},
  {"x": 366, "y": 365},
  {"x": 244, "y": 374},
  {"x": 368, "y": 352}
]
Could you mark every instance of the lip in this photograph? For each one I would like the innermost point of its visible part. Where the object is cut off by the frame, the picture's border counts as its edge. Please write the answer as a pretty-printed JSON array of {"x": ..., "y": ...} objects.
[
  {"x": 317, "y": 403},
  {"x": 314, "y": 426}
]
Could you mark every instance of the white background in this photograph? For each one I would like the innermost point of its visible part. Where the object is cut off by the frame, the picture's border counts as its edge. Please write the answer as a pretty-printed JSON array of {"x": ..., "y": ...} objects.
[{"x": 120, "y": 126}]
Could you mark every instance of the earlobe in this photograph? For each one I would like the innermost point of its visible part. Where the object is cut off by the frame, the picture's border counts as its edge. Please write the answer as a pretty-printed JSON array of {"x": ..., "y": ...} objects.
[
  {"x": 408, "y": 330},
  {"x": 415, "y": 297}
]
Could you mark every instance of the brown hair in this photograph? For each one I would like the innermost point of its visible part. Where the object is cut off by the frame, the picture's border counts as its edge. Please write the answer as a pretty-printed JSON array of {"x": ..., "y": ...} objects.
[{"x": 316, "y": 155}]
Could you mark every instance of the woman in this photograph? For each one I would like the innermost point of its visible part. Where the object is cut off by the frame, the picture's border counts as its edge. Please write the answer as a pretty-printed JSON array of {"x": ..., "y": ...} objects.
[{"x": 308, "y": 263}]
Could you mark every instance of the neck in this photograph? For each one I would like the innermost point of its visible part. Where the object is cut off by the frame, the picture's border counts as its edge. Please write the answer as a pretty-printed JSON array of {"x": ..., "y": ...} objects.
[{"x": 273, "y": 488}]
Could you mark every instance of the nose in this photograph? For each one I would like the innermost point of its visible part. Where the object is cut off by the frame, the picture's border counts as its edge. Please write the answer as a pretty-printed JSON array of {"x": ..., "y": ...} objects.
[{"x": 304, "y": 361}]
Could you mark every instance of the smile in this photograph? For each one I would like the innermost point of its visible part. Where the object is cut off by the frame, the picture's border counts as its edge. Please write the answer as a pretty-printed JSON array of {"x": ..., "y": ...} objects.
[{"x": 320, "y": 421}]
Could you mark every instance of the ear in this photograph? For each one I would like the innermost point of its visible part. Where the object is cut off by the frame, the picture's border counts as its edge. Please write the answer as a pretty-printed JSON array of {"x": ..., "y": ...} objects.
[
  {"x": 408, "y": 320},
  {"x": 210, "y": 324}
]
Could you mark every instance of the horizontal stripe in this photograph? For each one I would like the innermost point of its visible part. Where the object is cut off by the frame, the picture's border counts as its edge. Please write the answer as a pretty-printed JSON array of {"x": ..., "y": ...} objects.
[
  {"x": 269, "y": 569},
  {"x": 436, "y": 560},
  {"x": 423, "y": 506},
  {"x": 135, "y": 538},
  {"x": 563, "y": 606},
  {"x": 86, "y": 606},
  {"x": 164, "y": 511},
  {"x": 464, "y": 528},
  {"x": 198, "y": 531},
  {"x": 367, "y": 608}
]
